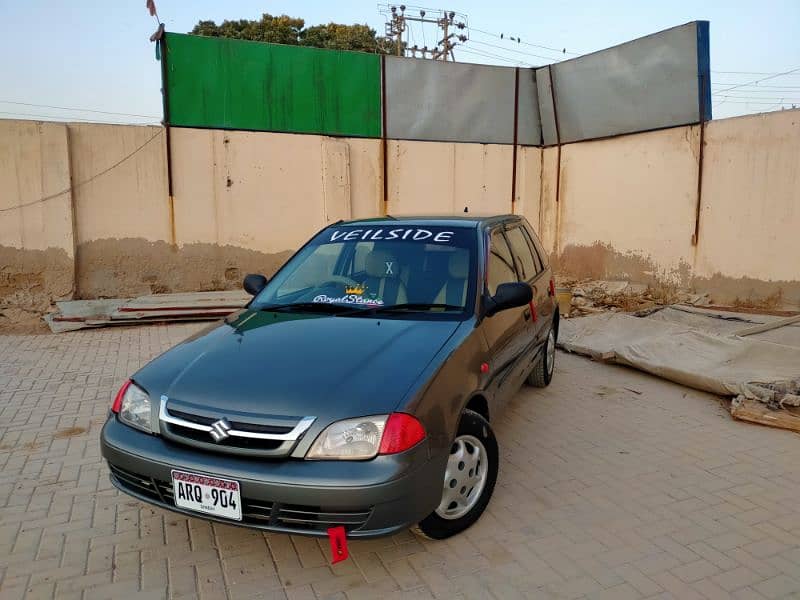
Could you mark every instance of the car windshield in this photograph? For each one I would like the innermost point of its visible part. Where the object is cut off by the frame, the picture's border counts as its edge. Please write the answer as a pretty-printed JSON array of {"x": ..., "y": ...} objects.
[{"x": 374, "y": 267}]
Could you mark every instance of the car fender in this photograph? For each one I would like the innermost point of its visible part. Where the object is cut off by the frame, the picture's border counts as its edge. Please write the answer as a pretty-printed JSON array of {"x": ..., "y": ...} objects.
[{"x": 447, "y": 385}]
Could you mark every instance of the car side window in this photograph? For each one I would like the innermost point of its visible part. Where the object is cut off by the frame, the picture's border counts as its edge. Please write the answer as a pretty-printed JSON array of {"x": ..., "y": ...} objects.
[
  {"x": 523, "y": 254},
  {"x": 536, "y": 244},
  {"x": 500, "y": 267}
]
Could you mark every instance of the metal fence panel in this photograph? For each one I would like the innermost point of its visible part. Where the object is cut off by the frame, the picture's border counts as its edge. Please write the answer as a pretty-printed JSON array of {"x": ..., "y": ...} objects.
[
  {"x": 449, "y": 102},
  {"x": 661, "y": 80},
  {"x": 236, "y": 84},
  {"x": 529, "y": 127}
]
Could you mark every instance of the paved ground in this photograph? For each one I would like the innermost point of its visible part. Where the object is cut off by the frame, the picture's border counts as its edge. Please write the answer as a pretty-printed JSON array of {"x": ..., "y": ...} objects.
[{"x": 613, "y": 485}]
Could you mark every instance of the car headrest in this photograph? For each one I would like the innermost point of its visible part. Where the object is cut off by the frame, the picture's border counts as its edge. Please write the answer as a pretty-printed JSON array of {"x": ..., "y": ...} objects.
[
  {"x": 458, "y": 266},
  {"x": 380, "y": 263}
]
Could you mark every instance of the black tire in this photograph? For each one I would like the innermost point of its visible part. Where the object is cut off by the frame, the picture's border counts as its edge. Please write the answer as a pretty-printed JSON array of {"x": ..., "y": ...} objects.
[
  {"x": 542, "y": 373},
  {"x": 437, "y": 527}
]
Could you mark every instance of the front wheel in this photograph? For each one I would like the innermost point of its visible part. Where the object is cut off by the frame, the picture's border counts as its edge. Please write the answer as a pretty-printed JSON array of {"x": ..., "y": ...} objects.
[{"x": 468, "y": 479}]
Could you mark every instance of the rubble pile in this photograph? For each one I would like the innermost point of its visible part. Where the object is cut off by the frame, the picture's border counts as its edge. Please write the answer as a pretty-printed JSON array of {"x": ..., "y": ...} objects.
[{"x": 578, "y": 298}]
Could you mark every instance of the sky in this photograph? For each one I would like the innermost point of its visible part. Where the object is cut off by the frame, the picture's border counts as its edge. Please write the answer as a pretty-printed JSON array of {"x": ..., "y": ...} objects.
[{"x": 95, "y": 55}]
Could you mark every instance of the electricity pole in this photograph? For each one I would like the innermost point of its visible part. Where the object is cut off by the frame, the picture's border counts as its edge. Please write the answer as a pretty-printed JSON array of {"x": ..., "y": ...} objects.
[{"x": 398, "y": 22}]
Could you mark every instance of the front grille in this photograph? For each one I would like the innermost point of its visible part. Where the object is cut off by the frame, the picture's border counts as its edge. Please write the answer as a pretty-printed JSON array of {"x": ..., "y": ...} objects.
[
  {"x": 256, "y": 513},
  {"x": 241, "y": 426},
  {"x": 262, "y": 435},
  {"x": 231, "y": 442}
]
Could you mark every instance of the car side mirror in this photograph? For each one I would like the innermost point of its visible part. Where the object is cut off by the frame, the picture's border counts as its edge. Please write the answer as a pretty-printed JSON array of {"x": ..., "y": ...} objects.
[
  {"x": 253, "y": 284},
  {"x": 508, "y": 295}
]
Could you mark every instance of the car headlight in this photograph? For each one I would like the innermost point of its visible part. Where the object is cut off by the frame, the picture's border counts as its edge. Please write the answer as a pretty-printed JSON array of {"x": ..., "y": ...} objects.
[
  {"x": 133, "y": 407},
  {"x": 353, "y": 439},
  {"x": 366, "y": 437}
]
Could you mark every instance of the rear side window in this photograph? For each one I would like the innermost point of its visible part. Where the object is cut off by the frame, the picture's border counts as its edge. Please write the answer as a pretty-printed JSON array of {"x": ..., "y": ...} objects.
[
  {"x": 523, "y": 254},
  {"x": 501, "y": 264},
  {"x": 537, "y": 244}
]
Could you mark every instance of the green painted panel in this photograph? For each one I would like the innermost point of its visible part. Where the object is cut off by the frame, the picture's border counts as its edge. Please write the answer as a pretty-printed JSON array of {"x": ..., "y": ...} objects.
[{"x": 235, "y": 84}]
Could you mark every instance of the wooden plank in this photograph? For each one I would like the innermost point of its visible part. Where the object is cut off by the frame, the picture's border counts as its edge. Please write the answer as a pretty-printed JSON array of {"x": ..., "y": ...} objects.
[
  {"x": 754, "y": 411},
  {"x": 767, "y": 326}
]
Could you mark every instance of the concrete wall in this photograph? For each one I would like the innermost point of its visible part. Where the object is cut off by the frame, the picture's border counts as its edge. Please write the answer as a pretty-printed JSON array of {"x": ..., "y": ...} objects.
[
  {"x": 447, "y": 177},
  {"x": 120, "y": 198},
  {"x": 627, "y": 208},
  {"x": 243, "y": 201},
  {"x": 37, "y": 244},
  {"x": 749, "y": 243}
]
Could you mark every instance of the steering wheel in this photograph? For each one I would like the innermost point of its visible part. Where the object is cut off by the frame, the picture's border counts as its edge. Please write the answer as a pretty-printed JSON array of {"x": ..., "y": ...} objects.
[{"x": 337, "y": 280}]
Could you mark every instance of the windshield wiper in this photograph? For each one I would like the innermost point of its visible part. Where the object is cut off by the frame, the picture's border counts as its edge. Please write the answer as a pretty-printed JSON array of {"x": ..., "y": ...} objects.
[
  {"x": 313, "y": 306},
  {"x": 409, "y": 306}
]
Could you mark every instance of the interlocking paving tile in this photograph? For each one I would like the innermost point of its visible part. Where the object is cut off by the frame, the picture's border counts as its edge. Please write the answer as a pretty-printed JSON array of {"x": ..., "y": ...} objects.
[{"x": 602, "y": 493}]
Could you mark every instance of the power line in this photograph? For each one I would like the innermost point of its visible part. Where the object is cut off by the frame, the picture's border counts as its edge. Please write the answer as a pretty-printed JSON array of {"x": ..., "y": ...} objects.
[
  {"x": 101, "y": 112},
  {"x": 733, "y": 87},
  {"x": 757, "y": 102},
  {"x": 519, "y": 41},
  {"x": 768, "y": 98},
  {"x": 63, "y": 119},
  {"x": 750, "y": 72},
  {"x": 475, "y": 52},
  {"x": 764, "y": 88},
  {"x": 504, "y": 49},
  {"x": 85, "y": 181}
]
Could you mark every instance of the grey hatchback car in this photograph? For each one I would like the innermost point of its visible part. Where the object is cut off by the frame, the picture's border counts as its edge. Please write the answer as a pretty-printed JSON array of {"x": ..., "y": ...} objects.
[{"x": 356, "y": 389}]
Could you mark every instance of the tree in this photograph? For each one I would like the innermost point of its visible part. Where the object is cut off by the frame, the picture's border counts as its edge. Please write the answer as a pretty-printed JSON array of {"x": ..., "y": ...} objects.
[
  {"x": 277, "y": 30},
  {"x": 292, "y": 31}
]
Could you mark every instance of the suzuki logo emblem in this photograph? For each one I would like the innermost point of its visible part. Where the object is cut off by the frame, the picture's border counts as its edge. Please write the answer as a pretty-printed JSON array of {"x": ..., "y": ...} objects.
[{"x": 219, "y": 430}]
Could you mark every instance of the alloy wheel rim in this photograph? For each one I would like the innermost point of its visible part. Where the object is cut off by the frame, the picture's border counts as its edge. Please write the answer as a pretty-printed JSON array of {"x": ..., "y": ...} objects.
[
  {"x": 551, "y": 352},
  {"x": 464, "y": 478}
]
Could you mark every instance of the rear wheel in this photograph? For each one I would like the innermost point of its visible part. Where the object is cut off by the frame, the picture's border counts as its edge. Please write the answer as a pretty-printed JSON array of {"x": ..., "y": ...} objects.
[
  {"x": 469, "y": 479},
  {"x": 542, "y": 373}
]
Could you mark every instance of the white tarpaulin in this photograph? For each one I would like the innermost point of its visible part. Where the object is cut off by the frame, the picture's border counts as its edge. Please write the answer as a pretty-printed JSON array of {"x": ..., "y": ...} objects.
[{"x": 722, "y": 364}]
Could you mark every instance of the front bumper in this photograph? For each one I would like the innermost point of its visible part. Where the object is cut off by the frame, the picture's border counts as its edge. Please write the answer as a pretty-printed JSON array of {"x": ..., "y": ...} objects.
[{"x": 370, "y": 498}]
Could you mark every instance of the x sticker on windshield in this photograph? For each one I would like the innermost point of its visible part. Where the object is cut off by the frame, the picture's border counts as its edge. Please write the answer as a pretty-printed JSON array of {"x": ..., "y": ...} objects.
[{"x": 389, "y": 268}]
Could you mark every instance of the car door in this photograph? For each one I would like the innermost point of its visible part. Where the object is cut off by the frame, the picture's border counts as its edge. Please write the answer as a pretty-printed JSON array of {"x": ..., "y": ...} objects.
[
  {"x": 532, "y": 271},
  {"x": 550, "y": 307},
  {"x": 508, "y": 332}
]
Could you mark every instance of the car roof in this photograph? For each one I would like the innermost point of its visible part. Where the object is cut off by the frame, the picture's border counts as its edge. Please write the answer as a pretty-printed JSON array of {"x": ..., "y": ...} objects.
[{"x": 439, "y": 220}]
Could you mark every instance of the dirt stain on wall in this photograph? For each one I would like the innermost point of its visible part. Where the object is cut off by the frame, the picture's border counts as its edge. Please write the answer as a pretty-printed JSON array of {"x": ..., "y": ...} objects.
[
  {"x": 30, "y": 281},
  {"x": 112, "y": 268},
  {"x": 602, "y": 261}
]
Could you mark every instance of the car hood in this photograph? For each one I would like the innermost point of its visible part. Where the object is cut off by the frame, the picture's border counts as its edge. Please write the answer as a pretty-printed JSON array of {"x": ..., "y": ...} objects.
[{"x": 292, "y": 364}]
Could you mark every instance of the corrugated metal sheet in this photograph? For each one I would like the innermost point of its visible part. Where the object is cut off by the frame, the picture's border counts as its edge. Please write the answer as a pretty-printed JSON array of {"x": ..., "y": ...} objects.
[
  {"x": 650, "y": 83},
  {"x": 546, "y": 106},
  {"x": 442, "y": 101},
  {"x": 235, "y": 84},
  {"x": 529, "y": 126}
]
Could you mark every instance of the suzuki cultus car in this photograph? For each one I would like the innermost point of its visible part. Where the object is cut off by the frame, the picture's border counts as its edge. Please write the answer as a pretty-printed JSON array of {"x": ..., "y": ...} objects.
[{"x": 356, "y": 389}]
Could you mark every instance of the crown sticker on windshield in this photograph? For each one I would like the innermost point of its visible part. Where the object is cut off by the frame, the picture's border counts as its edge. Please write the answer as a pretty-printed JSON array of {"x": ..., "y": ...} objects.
[{"x": 358, "y": 290}]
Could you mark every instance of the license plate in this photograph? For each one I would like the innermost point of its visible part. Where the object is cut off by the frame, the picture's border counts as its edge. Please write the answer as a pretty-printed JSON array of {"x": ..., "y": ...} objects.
[{"x": 209, "y": 495}]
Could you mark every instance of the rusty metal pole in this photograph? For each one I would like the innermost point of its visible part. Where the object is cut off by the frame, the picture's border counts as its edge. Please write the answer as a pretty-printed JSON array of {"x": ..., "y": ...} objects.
[
  {"x": 384, "y": 144},
  {"x": 514, "y": 150},
  {"x": 162, "y": 41},
  {"x": 554, "y": 98},
  {"x": 700, "y": 153}
]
